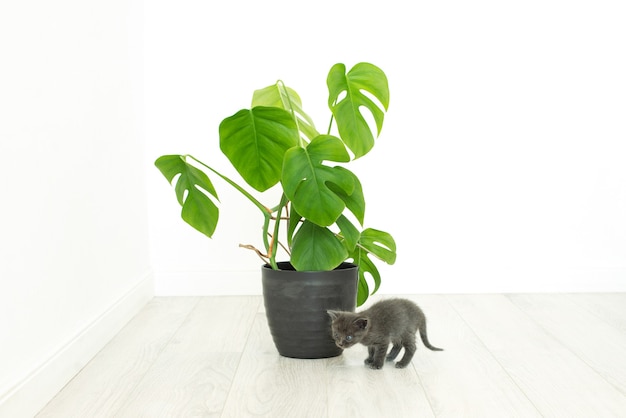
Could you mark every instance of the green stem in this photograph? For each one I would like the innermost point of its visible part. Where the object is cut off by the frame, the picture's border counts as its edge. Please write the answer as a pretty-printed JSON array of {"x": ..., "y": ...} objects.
[
  {"x": 275, "y": 237},
  {"x": 282, "y": 88},
  {"x": 267, "y": 213},
  {"x": 262, "y": 207},
  {"x": 332, "y": 118},
  {"x": 266, "y": 243}
]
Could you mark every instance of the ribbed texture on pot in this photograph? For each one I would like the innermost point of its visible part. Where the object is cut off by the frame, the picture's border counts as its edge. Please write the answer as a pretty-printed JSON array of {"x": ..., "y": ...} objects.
[{"x": 296, "y": 305}]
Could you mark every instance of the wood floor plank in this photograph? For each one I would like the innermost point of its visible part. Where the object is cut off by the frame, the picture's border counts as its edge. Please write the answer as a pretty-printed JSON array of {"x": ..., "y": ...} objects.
[
  {"x": 103, "y": 385},
  {"x": 191, "y": 385},
  {"x": 193, "y": 374},
  {"x": 597, "y": 343},
  {"x": 556, "y": 381},
  {"x": 269, "y": 385},
  {"x": 464, "y": 380},
  {"x": 505, "y": 356},
  {"x": 610, "y": 307},
  {"x": 355, "y": 391}
]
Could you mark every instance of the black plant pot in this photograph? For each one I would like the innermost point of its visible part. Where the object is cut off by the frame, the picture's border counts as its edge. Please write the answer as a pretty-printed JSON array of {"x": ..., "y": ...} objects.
[{"x": 296, "y": 303}]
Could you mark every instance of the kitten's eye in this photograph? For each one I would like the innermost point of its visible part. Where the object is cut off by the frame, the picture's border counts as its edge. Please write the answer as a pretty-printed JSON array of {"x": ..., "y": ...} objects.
[{"x": 349, "y": 338}]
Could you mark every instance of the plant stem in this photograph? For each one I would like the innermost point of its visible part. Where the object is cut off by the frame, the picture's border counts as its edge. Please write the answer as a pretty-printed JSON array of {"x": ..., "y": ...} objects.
[
  {"x": 330, "y": 125},
  {"x": 274, "y": 247},
  {"x": 267, "y": 213},
  {"x": 282, "y": 88},
  {"x": 262, "y": 207}
]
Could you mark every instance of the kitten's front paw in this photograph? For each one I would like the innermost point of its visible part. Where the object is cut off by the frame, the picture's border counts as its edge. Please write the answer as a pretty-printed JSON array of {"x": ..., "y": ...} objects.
[
  {"x": 400, "y": 365},
  {"x": 374, "y": 366},
  {"x": 368, "y": 361}
]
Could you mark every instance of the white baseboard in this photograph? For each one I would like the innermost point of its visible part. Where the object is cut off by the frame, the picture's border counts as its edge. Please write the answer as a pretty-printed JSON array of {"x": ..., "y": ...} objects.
[
  {"x": 31, "y": 394},
  {"x": 592, "y": 280},
  {"x": 248, "y": 282}
]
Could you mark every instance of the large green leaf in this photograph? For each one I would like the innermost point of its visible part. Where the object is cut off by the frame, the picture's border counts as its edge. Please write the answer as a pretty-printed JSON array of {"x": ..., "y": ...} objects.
[
  {"x": 355, "y": 201},
  {"x": 294, "y": 222},
  {"x": 255, "y": 142},
  {"x": 279, "y": 95},
  {"x": 349, "y": 233},
  {"x": 383, "y": 246},
  {"x": 379, "y": 243},
  {"x": 346, "y": 98},
  {"x": 305, "y": 179},
  {"x": 316, "y": 248},
  {"x": 198, "y": 210},
  {"x": 366, "y": 267}
]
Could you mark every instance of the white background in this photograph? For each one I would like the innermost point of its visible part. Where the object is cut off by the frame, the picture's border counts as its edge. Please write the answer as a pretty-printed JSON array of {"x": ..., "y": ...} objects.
[
  {"x": 500, "y": 165},
  {"x": 499, "y": 168}
]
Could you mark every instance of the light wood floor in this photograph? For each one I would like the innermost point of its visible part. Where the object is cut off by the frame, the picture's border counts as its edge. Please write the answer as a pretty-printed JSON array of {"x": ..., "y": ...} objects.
[{"x": 505, "y": 356}]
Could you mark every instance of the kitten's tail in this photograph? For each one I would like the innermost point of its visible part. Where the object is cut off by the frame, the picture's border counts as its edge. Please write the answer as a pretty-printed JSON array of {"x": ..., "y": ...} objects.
[{"x": 424, "y": 338}]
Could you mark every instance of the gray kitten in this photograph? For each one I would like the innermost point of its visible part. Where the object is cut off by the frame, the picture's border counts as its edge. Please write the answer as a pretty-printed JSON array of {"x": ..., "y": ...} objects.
[{"x": 393, "y": 321}]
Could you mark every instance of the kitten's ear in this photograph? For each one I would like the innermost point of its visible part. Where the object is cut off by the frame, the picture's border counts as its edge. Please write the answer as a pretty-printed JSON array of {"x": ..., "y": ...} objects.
[
  {"x": 333, "y": 314},
  {"x": 361, "y": 323}
]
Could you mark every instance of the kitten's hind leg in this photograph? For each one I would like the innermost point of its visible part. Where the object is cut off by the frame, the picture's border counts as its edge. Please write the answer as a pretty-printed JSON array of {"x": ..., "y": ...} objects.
[
  {"x": 395, "y": 350},
  {"x": 409, "y": 351}
]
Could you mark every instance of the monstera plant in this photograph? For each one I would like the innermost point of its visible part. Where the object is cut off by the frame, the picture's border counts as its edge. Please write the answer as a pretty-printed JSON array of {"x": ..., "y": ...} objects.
[{"x": 320, "y": 215}]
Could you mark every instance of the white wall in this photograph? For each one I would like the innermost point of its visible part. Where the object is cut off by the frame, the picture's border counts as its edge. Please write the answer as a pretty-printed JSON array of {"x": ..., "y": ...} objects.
[
  {"x": 500, "y": 167},
  {"x": 74, "y": 241}
]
